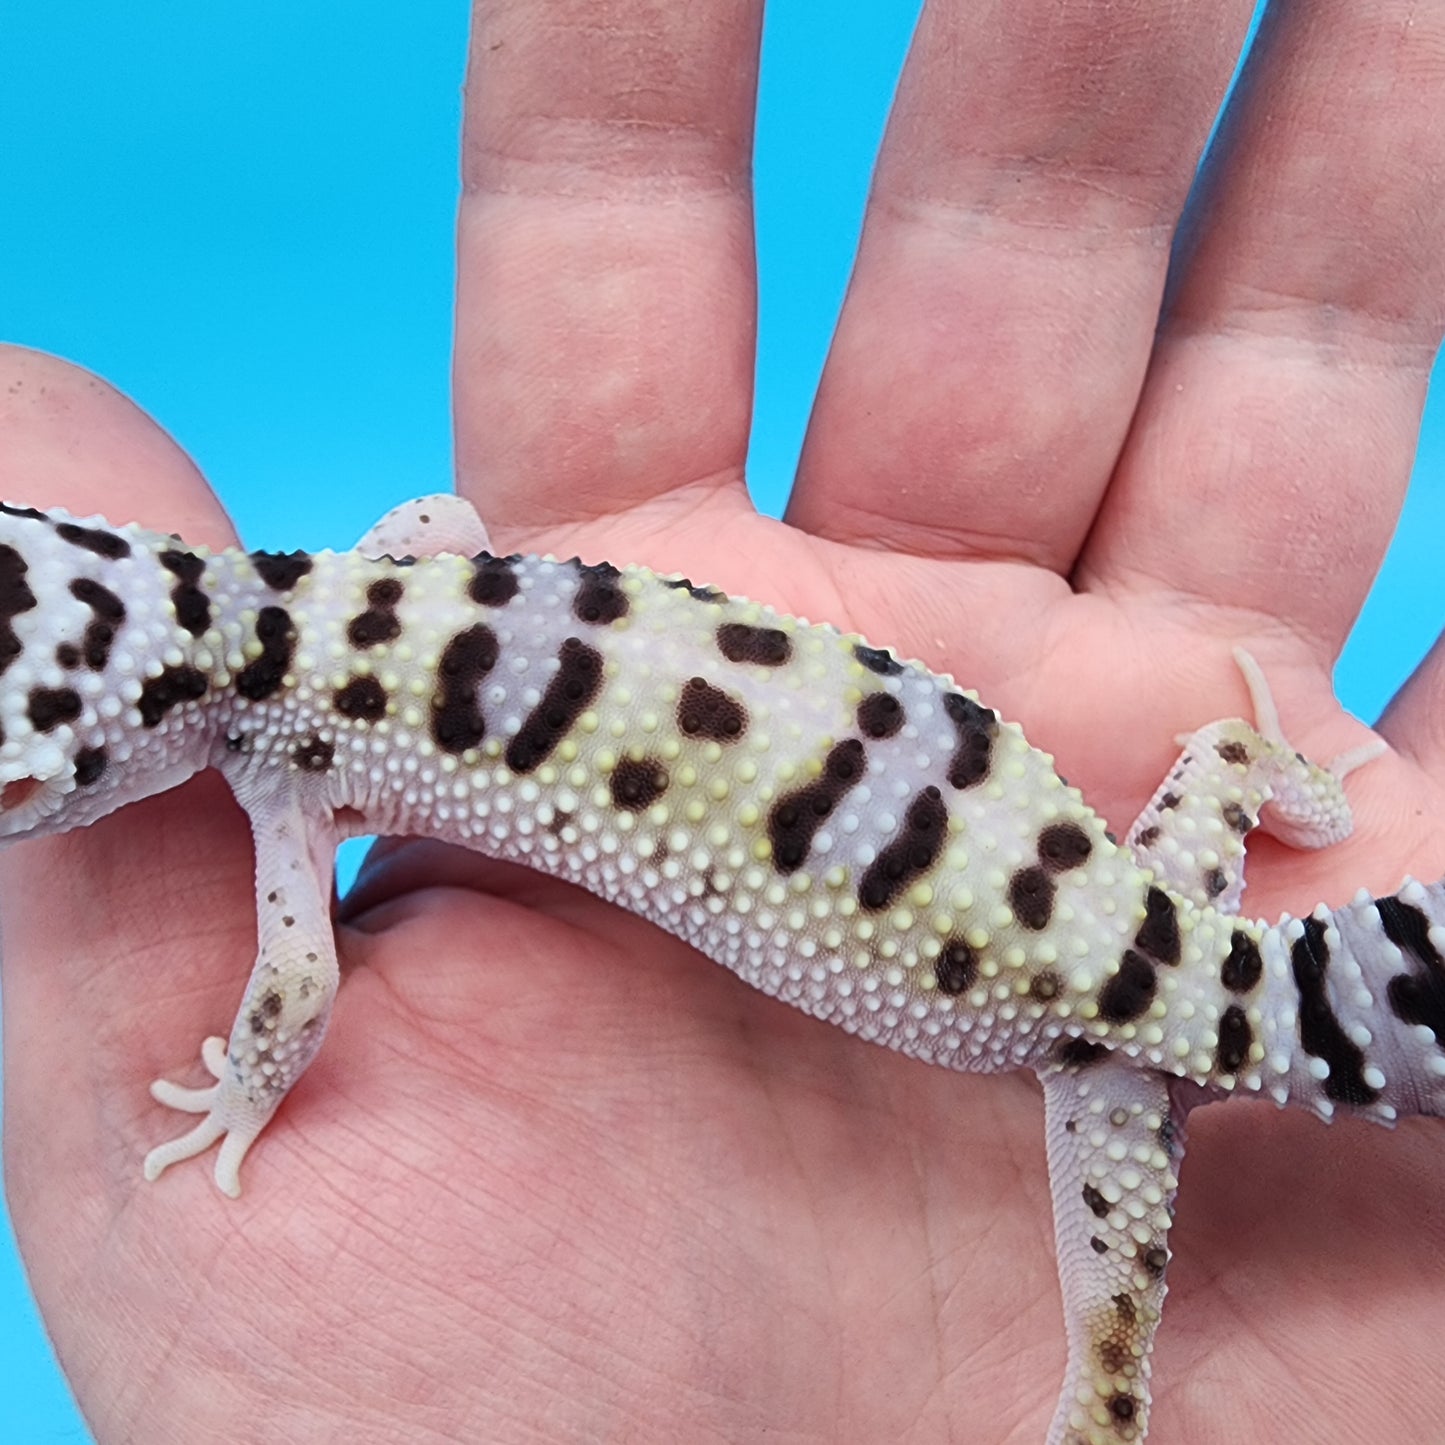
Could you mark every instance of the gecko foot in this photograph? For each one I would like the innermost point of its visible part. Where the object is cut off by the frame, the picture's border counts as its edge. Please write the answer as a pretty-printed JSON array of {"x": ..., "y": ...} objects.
[{"x": 230, "y": 1117}]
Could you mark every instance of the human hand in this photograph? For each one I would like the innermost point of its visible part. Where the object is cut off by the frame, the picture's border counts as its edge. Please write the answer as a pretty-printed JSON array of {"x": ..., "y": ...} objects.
[{"x": 553, "y": 1178}]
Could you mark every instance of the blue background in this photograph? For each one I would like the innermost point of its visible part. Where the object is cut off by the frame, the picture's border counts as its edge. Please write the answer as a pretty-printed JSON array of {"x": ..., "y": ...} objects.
[{"x": 242, "y": 215}]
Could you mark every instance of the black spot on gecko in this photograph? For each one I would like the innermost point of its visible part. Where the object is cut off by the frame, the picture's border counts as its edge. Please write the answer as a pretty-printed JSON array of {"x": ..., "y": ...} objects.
[
  {"x": 1031, "y": 896},
  {"x": 1063, "y": 846},
  {"x": 881, "y": 715},
  {"x": 1243, "y": 965},
  {"x": 1130, "y": 991},
  {"x": 1123, "y": 1407},
  {"x": 281, "y": 571},
  {"x": 1415, "y": 998},
  {"x": 263, "y": 1017},
  {"x": 48, "y": 707},
  {"x": 977, "y": 727},
  {"x": 109, "y": 613},
  {"x": 1233, "y": 752},
  {"x": 796, "y": 817},
  {"x": 90, "y": 765},
  {"x": 911, "y": 852},
  {"x": 766, "y": 646},
  {"x": 638, "y": 783},
  {"x": 1098, "y": 1206},
  {"x": 313, "y": 754},
  {"x": 193, "y": 607},
  {"x": 494, "y": 580},
  {"x": 33, "y": 513},
  {"x": 1148, "y": 837},
  {"x": 574, "y": 685},
  {"x": 94, "y": 539},
  {"x": 15, "y": 598},
  {"x": 956, "y": 967},
  {"x": 1216, "y": 880},
  {"x": 362, "y": 699},
  {"x": 1044, "y": 986},
  {"x": 1158, "y": 935},
  {"x": 1169, "y": 800},
  {"x": 698, "y": 594},
  {"x": 457, "y": 722},
  {"x": 878, "y": 659},
  {"x": 379, "y": 623},
  {"x": 1236, "y": 818},
  {"x": 1320, "y": 1031},
  {"x": 1156, "y": 1260},
  {"x": 264, "y": 675},
  {"x": 174, "y": 686},
  {"x": 1079, "y": 1053},
  {"x": 600, "y": 599},
  {"x": 708, "y": 712},
  {"x": 1098, "y": 1245},
  {"x": 1235, "y": 1037}
]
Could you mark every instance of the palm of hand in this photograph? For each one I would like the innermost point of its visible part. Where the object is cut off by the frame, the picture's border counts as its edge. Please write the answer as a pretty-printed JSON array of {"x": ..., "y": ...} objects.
[{"x": 554, "y": 1178}]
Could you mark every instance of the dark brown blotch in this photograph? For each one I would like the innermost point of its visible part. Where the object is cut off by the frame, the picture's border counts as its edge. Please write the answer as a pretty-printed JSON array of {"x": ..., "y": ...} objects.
[
  {"x": 1097, "y": 1205},
  {"x": 1063, "y": 846},
  {"x": 638, "y": 783},
  {"x": 94, "y": 539},
  {"x": 911, "y": 852},
  {"x": 263, "y": 676},
  {"x": 1079, "y": 1053},
  {"x": 379, "y": 622},
  {"x": 15, "y": 598},
  {"x": 708, "y": 712},
  {"x": 600, "y": 599},
  {"x": 1243, "y": 966},
  {"x": 1158, "y": 935},
  {"x": 494, "y": 580},
  {"x": 363, "y": 699},
  {"x": 1236, "y": 818},
  {"x": 977, "y": 726},
  {"x": 765, "y": 646},
  {"x": 698, "y": 594},
  {"x": 794, "y": 820},
  {"x": 1216, "y": 880},
  {"x": 956, "y": 967},
  {"x": 878, "y": 659},
  {"x": 193, "y": 607},
  {"x": 573, "y": 687},
  {"x": 1031, "y": 896},
  {"x": 1321, "y": 1033},
  {"x": 1130, "y": 991},
  {"x": 881, "y": 715},
  {"x": 90, "y": 766},
  {"x": 173, "y": 687},
  {"x": 1235, "y": 1037},
  {"x": 1233, "y": 752},
  {"x": 48, "y": 707},
  {"x": 313, "y": 754},
  {"x": 457, "y": 720},
  {"x": 281, "y": 571}
]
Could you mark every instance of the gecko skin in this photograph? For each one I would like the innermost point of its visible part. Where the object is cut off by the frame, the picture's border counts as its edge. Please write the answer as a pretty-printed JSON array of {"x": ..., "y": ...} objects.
[{"x": 847, "y": 831}]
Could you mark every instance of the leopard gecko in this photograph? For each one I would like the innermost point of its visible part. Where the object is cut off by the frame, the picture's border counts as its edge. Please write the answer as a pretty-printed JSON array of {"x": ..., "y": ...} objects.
[{"x": 847, "y": 831}]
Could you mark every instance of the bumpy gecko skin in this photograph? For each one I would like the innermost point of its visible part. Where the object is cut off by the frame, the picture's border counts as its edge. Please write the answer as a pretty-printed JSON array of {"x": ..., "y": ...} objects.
[{"x": 845, "y": 830}]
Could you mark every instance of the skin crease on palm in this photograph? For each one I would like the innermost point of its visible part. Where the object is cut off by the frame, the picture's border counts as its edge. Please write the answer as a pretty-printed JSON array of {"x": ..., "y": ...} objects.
[{"x": 554, "y": 1178}]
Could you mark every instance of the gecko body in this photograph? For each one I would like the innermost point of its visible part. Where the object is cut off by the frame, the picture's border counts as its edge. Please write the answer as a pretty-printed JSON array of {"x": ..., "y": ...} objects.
[{"x": 845, "y": 830}]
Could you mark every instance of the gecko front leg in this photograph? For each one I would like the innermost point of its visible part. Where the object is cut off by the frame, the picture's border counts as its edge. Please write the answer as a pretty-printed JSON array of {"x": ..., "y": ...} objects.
[{"x": 283, "y": 1015}]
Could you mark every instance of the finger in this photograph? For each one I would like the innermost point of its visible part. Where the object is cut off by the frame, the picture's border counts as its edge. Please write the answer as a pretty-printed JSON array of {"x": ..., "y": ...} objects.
[
  {"x": 999, "y": 320},
  {"x": 605, "y": 308},
  {"x": 84, "y": 966},
  {"x": 1276, "y": 431}
]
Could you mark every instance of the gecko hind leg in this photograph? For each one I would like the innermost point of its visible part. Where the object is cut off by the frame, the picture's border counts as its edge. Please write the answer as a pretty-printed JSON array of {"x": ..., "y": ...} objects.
[
  {"x": 1115, "y": 1140},
  {"x": 1232, "y": 777}
]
